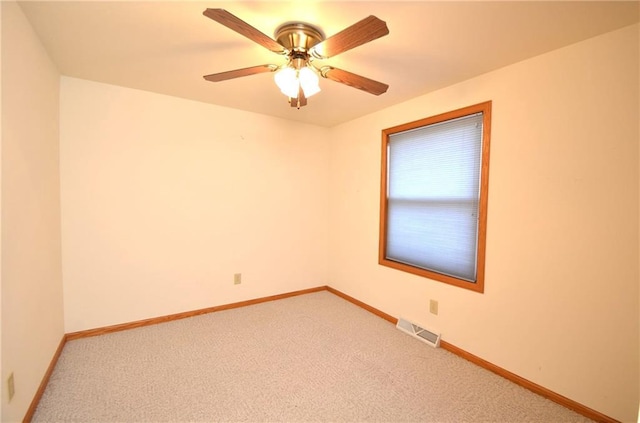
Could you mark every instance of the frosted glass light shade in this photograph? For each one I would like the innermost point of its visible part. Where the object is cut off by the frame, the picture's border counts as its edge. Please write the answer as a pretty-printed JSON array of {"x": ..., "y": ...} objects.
[
  {"x": 309, "y": 81},
  {"x": 287, "y": 80}
]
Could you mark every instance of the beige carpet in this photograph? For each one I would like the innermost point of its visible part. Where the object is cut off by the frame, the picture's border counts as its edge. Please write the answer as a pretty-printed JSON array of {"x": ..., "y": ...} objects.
[{"x": 314, "y": 357}]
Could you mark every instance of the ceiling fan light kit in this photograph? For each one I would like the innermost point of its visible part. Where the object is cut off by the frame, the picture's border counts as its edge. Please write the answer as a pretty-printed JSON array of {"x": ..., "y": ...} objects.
[
  {"x": 291, "y": 81},
  {"x": 302, "y": 43}
]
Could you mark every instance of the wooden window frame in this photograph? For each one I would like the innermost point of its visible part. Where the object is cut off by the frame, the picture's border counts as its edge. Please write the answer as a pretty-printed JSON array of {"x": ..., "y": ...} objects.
[{"x": 478, "y": 285}]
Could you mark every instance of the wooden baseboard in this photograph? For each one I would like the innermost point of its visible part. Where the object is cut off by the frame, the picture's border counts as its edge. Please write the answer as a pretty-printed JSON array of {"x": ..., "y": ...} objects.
[
  {"x": 45, "y": 380},
  {"x": 186, "y": 314},
  {"x": 533, "y": 387},
  {"x": 367, "y": 307},
  {"x": 540, "y": 390}
]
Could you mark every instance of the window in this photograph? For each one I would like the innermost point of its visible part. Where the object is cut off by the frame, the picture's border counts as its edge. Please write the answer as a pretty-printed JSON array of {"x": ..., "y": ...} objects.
[{"x": 433, "y": 200}]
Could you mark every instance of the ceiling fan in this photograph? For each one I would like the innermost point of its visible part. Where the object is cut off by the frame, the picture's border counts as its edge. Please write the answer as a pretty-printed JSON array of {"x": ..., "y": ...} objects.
[{"x": 301, "y": 44}]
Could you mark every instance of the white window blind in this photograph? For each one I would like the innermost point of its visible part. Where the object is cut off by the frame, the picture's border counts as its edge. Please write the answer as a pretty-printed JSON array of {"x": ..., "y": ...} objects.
[{"x": 433, "y": 195}]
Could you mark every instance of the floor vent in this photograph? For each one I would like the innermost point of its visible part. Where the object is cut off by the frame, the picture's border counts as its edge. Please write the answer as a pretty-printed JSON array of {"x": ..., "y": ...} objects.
[{"x": 418, "y": 332}]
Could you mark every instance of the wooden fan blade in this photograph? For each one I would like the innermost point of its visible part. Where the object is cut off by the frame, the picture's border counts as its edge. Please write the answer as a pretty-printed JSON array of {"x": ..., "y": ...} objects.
[
  {"x": 300, "y": 101},
  {"x": 357, "y": 34},
  {"x": 223, "y": 76},
  {"x": 353, "y": 80},
  {"x": 241, "y": 27}
]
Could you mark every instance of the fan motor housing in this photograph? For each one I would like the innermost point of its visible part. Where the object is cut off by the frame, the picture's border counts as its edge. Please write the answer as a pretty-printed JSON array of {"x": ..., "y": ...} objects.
[{"x": 298, "y": 36}]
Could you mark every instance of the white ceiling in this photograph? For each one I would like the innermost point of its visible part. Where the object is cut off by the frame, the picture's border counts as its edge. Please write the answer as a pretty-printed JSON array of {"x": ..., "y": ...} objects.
[{"x": 166, "y": 47}]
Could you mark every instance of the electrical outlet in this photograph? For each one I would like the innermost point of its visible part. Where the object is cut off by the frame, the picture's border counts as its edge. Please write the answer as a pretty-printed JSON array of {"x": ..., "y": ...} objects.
[
  {"x": 11, "y": 389},
  {"x": 433, "y": 307},
  {"x": 237, "y": 278}
]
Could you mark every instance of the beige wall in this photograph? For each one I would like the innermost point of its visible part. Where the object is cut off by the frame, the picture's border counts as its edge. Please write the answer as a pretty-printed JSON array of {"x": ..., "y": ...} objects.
[
  {"x": 32, "y": 310},
  {"x": 560, "y": 306},
  {"x": 164, "y": 199}
]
